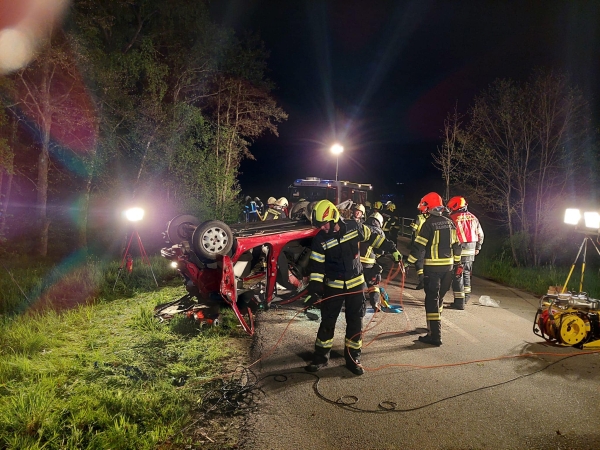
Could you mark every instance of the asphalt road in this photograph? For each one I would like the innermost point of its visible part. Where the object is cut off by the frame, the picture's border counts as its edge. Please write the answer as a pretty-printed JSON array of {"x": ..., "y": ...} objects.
[{"x": 476, "y": 391}]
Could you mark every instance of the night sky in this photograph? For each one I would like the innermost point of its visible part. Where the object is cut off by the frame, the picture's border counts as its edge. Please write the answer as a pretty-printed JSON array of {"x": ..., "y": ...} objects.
[{"x": 380, "y": 77}]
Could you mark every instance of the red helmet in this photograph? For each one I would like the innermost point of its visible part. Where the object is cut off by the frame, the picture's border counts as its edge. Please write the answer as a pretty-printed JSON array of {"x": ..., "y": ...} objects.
[
  {"x": 430, "y": 201},
  {"x": 456, "y": 203}
]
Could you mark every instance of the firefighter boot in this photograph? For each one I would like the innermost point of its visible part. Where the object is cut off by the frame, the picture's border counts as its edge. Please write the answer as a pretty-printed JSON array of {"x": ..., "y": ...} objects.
[
  {"x": 459, "y": 302},
  {"x": 435, "y": 336},
  {"x": 352, "y": 361},
  {"x": 319, "y": 361}
]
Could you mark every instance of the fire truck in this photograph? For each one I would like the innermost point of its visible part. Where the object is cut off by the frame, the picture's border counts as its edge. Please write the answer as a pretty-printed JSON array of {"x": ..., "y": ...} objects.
[{"x": 311, "y": 189}]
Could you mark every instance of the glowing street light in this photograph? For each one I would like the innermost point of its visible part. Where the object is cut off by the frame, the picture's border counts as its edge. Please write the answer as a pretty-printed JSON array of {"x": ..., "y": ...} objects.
[{"x": 336, "y": 149}]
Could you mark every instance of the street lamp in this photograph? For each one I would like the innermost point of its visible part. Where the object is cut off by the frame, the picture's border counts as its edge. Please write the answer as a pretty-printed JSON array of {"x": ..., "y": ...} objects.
[{"x": 336, "y": 149}]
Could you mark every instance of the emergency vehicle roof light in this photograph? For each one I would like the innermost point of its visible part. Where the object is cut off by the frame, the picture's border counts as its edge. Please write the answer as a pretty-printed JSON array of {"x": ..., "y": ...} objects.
[{"x": 572, "y": 216}]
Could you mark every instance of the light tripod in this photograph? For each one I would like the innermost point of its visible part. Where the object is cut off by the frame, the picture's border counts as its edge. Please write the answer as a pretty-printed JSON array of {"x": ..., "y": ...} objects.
[
  {"x": 583, "y": 248},
  {"x": 128, "y": 259}
]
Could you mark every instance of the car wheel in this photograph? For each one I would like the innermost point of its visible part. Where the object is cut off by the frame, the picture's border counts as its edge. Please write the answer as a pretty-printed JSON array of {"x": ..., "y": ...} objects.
[
  {"x": 211, "y": 239},
  {"x": 181, "y": 228}
]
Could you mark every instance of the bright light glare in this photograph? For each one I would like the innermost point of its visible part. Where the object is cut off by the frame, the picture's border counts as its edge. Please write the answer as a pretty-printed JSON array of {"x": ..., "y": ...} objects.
[
  {"x": 174, "y": 264},
  {"x": 572, "y": 216},
  {"x": 134, "y": 214},
  {"x": 336, "y": 149},
  {"x": 592, "y": 220}
]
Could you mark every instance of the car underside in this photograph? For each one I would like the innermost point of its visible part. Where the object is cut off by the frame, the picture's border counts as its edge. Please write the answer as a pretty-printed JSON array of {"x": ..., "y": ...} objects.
[{"x": 246, "y": 266}]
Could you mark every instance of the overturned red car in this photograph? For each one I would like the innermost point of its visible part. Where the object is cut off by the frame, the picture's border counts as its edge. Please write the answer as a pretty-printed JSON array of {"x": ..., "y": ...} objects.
[{"x": 248, "y": 265}]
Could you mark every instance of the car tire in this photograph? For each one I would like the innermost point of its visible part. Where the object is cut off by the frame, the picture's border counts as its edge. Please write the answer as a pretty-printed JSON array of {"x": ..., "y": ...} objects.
[
  {"x": 212, "y": 239},
  {"x": 181, "y": 228}
]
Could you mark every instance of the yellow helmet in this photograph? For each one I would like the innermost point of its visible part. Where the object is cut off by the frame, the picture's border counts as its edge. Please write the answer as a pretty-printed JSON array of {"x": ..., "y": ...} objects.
[
  {"x": 271, "y": 201},
  {"x": 390, "y": 206},
  {"x": 368, "y": 204},
  {"x": 323, "y": 212},
  {"x": 360, "y": 208},
  {"x": 378, "y": 205},
  {"x": 378, "y": 217},
  {"x": 282, "y": 201}
]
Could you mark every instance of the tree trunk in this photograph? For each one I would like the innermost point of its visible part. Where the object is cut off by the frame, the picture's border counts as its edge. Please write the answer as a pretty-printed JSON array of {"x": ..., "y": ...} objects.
[
  {"x": 42, "y": 197},
  {"x": 5, "y": 202}
]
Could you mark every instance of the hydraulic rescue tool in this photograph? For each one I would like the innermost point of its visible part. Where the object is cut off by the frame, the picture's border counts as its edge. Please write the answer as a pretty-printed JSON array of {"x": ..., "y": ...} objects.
[{"x": 568, "y": 319}]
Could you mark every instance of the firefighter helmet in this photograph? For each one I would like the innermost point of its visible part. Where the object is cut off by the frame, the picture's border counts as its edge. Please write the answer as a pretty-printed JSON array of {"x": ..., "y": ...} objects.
[
  {"x": 456, "y": 203},
  {"x": 390, "y": 206},
  {"x": 378, "y": 217},
  {"x": 378, "y": 205},
  {"x": 368, "y": 204},
  {"x": 282, "y": 201},
  {"x": 248, "y": 198},
  {"x": 271, "y": 201},
  {"x": 360, "y": 208},
  {"x": 430, "y": 201},
  {"x": 323, "y": 212}
]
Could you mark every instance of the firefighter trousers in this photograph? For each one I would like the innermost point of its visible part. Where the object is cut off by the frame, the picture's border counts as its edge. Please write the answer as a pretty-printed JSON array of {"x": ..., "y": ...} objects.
[
  {"x": 354, "y": 300},
  {"x": 434, "y": 283},
  {"x": 462, "y": 285}
]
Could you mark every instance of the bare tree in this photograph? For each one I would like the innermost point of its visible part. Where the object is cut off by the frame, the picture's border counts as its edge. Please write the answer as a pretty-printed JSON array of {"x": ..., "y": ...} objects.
[
  {"x": 519, "y": 145},
  {"x": 448, "y": 157},
  {"x": 50, "y": 93}
]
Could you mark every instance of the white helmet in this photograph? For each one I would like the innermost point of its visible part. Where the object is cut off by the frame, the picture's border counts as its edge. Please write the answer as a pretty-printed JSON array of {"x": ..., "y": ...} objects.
[
  {"x": 271, "y": 201},
  {"x": 282, "y": 202}
]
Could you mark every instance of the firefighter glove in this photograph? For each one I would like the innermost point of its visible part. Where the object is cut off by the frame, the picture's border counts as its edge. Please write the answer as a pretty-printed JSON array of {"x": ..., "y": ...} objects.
[
  {"x": 376, "y": 305},
  {"x": 311, "y": 299},
  {"x": 397, "y": 256},
  {"x": 458, "y": 270}
]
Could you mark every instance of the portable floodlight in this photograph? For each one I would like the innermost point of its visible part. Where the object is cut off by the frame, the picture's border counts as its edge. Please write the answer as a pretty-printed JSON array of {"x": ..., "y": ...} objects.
[
  {"x": 592, "y": 220},
  {"x": 572, "y": 216},
  {"x": 134, "y": 214}
]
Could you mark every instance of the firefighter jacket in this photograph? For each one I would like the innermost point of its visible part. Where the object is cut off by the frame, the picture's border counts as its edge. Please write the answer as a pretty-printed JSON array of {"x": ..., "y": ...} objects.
[
  {"x": 272, "y": 214},
  {"x": 370, "y": 250},
  {"x": 418, "y": 223},
  {"x": 469, "y": 233},
  {"x": 436, "y": 247},
  {"x": 335, "y": 257},
  {"x": 391, "y": 225}
]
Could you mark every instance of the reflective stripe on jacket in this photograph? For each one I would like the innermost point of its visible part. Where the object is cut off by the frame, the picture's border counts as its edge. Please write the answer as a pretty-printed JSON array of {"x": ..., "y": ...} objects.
[
  {"x": 436, "y": 246},
  {"x": 335, "y": 257}
]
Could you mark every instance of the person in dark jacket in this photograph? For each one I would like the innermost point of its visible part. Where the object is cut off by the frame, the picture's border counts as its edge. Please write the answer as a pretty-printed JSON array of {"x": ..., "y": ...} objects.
[
  {"x": 336, "y": 273},
  {"x": 437, "y": 250}
]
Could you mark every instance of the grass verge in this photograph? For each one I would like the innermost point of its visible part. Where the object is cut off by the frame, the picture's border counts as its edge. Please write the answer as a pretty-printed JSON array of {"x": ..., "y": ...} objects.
[
  {"x": 109, "y": 375},
  {"x": 536, "y": 280}
]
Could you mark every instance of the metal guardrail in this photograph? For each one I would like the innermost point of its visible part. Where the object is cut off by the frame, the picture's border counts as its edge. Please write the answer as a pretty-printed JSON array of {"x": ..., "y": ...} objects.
[{"x": 405, "y": 229}]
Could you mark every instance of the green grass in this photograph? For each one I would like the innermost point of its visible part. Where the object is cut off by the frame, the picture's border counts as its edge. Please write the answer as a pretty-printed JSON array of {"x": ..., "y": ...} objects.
[
  {"x": 536, "y": 280},
  {"x": 108, "y": 374}
]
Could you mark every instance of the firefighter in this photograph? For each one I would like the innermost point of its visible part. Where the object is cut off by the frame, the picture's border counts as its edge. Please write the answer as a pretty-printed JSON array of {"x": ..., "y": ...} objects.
[
  {"x": 377, "y": 207},
  {"x": 358, "y": 213},
  {"x": 250, "y": 210},
  {"x": 391, "y": 225},
  {"x": 337, "y": 274},
  {"x": 470, "y": 235},
  {"x": 276, "y": 209},
  {"x": 271, "y": 213},
  {"x": 282, "y": 206},
  {"x": 368, "y": 208},
  {"x": 416, "y": 226},
  {"x": 436, "y": 249},
  {"x": 260, "y": 206},
  {"x": 369, "y": 255}
]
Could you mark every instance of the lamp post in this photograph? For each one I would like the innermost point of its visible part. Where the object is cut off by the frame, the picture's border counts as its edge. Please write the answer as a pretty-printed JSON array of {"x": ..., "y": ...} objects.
[{"x": 336, "y": 149}]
